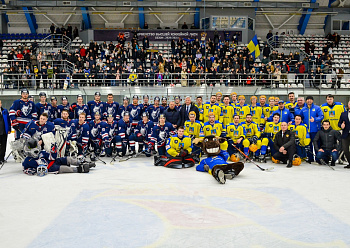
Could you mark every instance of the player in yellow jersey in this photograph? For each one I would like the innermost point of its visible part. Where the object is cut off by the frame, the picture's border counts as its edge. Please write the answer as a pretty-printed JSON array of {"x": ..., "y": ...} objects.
[
  {"x": 291, "y": 103},
  {"x": 256, "y": 111},
  {"x": 236, "y": 135},
  {"x": 214, "y": 127},
  {"x": 218, "y": 98},
  {"x": 302, "y": 137},
  {"x": 265, "y": 109},
  {"x": 332, "y": 111},
  {"x": 193, "y": 129},
  {"x": 234, "y": 100},
  {"x": 199, "y": 105},
  {"x": 253, "y": 136},
  {"x": 211, "y": 107},
  {"x": 227, "y": 112},
  {"x": 242, "y": 109},
  {"x": 271, "y": 128}
]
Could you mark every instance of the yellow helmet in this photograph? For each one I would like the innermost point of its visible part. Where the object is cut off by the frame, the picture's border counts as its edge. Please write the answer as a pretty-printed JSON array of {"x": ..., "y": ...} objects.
[
  {"x": 253, "y": 147},
  {"x": 271, "y": 98},
  {"x": 234, "y": 158},
  {"x": 192, "y": 113},
  {"x": 218, "y": 93},
  {"x": 241, "y": 97},
  {"x": 296, "y": 161},
  {"x": 253, "y": 97},
  {"x": 211, "y": 114},
  {"x": 233, "y": 93},
  {"x": 275, "y": 160},
  {"x": 262, "y": 96}
]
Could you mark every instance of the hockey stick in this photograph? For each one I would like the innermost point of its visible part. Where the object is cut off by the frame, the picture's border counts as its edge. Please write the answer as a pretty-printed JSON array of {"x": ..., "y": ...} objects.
[
  {"x": 3, "y": 163},
  {"x": 321, "y": 160},
  {"x": 263, "y": 169}
]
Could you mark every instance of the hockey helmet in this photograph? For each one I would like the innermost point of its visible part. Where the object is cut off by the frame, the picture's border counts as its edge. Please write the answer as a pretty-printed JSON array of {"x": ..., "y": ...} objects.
[
  {"x": 157, "y": 98},
  {"x": 234, "y": 158},
  {"x": 253, "y": 147},
  {"x": 24, "y": 91},
  {"x": 262, "y": 96},
  {"x": 64, "y": 98},
  {"x": 42, "y": 94},
  {"x": 42, "y": 170},
  {"x": 80, "y": 95},
  {"x": 164, "y": 98},
  {"x": 192, "y": 113},
  {"x": 110, "y": 116},
  {"x": 218, "y": 93},
  {"x": 97, "y": 93},
  {"x": 241, "y": 97},
  {"x": 145, "y": 96},
  {"x": 135, "y": 97},
  {"x": 97, "y": 113},
  {"x": 162, "y": 116},
  {"x": 31, "y": 148},
  {"x": 296, "y": 161},
  {"x": 275, "y": 160},
  {"x": 177, "y": 97},
  {"x": 253, "y": 97},
  {"x": 53, "y": 98},
  {"x": 125, "y": 98},
  {"x": 126, "y": 113},
  {"x": 145, "y": 114},
  {"x": 233, "y": 93}
]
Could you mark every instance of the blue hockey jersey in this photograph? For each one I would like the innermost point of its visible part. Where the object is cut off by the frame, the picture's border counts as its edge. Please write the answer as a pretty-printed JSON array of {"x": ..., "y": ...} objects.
[
  {"x": 125, "y": 129},
  {"x": 33, "y": 128},
  {"x": 77, "y": 110},
  {"x": 121, "y": 111},
  {"x": 22, "y": 112},
  {"x": 144, "y": 129},
  {"x": 62, "y": 107},
  {"x": 43, "y": 108},
  {"x": 160, "y": 134},
  {"x": 96, "y": 107},
  {"x": 111, "y": 129},
  {"x": 154, "y": 112},
  {"x": 98, "y": 130},
  {"x": 135, "y": 112},
  {"x": 81, "y": 132},
  {"x": 212, "y": 161},
  {"x": 111, "y": 109},
  {"x": 54, "y": 113}
]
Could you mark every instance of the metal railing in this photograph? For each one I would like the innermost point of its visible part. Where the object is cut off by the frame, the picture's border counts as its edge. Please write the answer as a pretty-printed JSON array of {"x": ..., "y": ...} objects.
[
  {"x": 55, "y": 41},
  {"x": 62, "y": 64},
  {"x": 72, "y": 81},
  {"x": 279, "y": 41}
]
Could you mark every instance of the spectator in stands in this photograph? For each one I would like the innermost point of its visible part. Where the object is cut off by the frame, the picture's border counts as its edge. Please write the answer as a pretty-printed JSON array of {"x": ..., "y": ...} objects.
[
  {"x": 269, "y": 35},
  {"x": 307, "y": 46},
  {"x": 69, "y": 31},
  {"x": 75, "y": 33},
  {"x": 336, "y": 39},
  {"x": 52, "y": 28},
  {"x": 184, "y": 26}
]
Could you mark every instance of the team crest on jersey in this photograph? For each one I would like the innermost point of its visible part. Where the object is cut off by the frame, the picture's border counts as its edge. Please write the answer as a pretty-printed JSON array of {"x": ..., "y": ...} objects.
[
  {"x": 253, "y": 112},
  {"x": 235, "y": 133},
  {"x": 96, "y": 109},
  {"x": 162, "y": 135},
  {"x": 94, "y": 131},
  {"x": 143, "y": 131},
  {"x": 191, "y": 129},
  {"x": 241, "y": 113},
  {"x": 296, "y": 133},
  {"x": 213, "y": 131},
  {"x": 155, "y": 113},
  {"x": 206, "y": 107},
  {"x": 187, "y": 125},
  {"x": 270, "y": 125},
  {"x": 325, "y": 110},
  {"x": 249, "y": 130},
  {"x": 80, "y": 111},
  {"x": 26, "y": 109},
  {"x": 225, "y": 111},
  {"x": 110, "y": 111},
  {"x": 275, "y": 128},
  {"x": 208, "y": 129},
  {"x": 176, "y": 141},
  {"x": 211, "y": 110},
  {"x": 332, "y": 113},
  {"x": 133, "y": 113},
  {"x": 181, "y": 144}
]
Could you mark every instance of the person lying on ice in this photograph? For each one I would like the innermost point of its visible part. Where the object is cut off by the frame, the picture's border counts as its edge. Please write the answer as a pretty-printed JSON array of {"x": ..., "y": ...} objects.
[
  {"x": 178, "y": 152},
  {"x": 215, "y": 164}
]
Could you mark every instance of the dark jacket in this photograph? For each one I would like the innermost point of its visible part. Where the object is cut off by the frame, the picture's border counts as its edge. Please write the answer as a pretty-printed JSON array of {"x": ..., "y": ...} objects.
[
  {"x": 184, "y": 114},
  {"x": 172, "y": 116},
  {"x": 7, "y": 121},
  {"x": 329, "y": 139},
  {"x": 344, "y": 117},
  {"x": 286, "y": 141}
]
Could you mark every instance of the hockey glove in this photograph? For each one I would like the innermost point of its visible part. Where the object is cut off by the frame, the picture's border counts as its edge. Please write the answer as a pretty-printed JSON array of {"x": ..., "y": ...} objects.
[
  {"x": 183, "y": 153},
  {"x": 297, "y": 141},
  {"x": 255, "y": 139}
]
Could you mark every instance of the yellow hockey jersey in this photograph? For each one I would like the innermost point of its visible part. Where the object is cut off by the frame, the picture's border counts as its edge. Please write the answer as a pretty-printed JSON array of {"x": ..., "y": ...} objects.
[
  {"x": 290, "y": 105},
  {"x": 201, "y": 111},
  {"x": 193, "y": 128},
  {"x": 272, "y": 128},
  {"x": 301, "y": 133},
  {"x": 257, "y": 114},
  {"x": 217, "y": 129},
  {"x": 333, "y": 114},
  {"x": 235, "y": 132},
  {"x": 242, "y": 111},
  {"x": 174, "y": 145},
  {"x": 227, "y": 113},
  {"x": 208, "y": 108},
  {"x": 251, "y": 129}
]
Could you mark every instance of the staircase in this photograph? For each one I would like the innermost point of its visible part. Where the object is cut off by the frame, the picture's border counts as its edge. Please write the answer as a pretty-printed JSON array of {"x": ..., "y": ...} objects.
[{"x": 54, "y": 43}]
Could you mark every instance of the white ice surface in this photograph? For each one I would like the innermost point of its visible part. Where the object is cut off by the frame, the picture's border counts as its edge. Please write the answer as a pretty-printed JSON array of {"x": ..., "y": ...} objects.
[{"x": 135, "y": 204}]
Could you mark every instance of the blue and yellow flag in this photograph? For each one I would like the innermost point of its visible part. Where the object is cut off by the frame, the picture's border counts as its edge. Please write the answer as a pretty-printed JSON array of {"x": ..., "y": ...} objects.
[{"x": 253, "y": 47}]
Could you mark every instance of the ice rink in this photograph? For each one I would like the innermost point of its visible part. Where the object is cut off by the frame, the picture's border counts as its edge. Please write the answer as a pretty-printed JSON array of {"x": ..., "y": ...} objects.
[{"x": 135, "y": 204}]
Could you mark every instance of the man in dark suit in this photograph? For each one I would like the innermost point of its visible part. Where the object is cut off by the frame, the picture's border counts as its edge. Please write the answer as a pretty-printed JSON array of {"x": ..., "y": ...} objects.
[
  {"x": 284, "y": 143},
  {"x": 186, "y": 109},
  {"x": 5, "y": 129},
  {"x": 344, "y": 124}
]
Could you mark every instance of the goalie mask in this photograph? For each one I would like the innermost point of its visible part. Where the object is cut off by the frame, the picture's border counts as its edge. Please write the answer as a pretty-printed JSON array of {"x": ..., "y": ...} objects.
[
  {"x": 41, "y": 170},
  {"x": 31, "y": 148}
]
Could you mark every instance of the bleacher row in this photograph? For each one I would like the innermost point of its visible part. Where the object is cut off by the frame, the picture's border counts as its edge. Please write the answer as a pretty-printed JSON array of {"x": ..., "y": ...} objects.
[{"x": 341, "y": 54}]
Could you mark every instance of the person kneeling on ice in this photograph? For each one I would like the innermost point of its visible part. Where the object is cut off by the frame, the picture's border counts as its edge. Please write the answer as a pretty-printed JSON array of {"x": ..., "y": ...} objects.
[
  {"x": 41, "y": 162},
  {"x": 178, "y": 152},
  {"x": 215, "y": 164}
]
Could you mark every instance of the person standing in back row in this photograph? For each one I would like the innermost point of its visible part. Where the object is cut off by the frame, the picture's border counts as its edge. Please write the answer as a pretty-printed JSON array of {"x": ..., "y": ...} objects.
[{"x": 5, "y": 129}]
